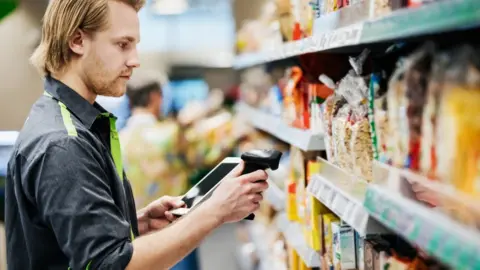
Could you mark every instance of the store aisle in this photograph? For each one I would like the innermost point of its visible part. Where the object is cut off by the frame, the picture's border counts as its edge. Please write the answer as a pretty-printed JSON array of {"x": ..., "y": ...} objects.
[{"x": 218, "y": 251}]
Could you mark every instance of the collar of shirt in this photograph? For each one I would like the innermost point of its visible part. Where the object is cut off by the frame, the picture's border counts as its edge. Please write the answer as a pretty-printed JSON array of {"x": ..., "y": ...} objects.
[{"x": 86, "y": 112}]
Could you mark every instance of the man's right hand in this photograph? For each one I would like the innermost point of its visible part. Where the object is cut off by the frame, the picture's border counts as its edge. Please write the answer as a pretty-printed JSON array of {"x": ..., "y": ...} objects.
[
  {"x": 238, "y": 196},
  {"x": 235, "y": 198}
]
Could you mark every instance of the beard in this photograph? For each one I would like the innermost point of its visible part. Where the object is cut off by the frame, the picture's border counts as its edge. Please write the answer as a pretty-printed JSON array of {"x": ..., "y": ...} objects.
[{"x": 101, "y": 81}]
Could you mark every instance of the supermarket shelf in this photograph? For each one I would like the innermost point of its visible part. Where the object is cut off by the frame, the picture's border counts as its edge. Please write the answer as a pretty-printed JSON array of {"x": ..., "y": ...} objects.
[
  {"x": 343, "y": 194},
  {"x": 453, "y": 203},
  {"x": 302, "y": 139},
  {"x": 294, "y": 237},
  {"x": 429, "y": 19},
  {"x": 449, "y": 241}
]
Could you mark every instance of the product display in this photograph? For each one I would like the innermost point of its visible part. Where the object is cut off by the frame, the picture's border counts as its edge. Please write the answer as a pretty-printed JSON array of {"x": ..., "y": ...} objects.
[
  {"x": 398, "y": 116},
  {"x": 388, "y": 107},
  {"x": 313, "y": 213},
  {"x": 328, "y": 222},
  {"x": 346, "y": 121}
]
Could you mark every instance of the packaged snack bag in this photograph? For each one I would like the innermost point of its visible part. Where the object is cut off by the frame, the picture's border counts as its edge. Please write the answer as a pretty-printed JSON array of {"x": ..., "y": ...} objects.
[
  {"x": 383, "y": 67},
  {"x": 406, "y": 100},
  {"x": 327, "y": 116},
  {"x": 428, "y": 160},
  {"x": 293, "y": 97},
  {"x": 341, "y": 136},
  {"x": 328, "y": 220},
  {"x": 458, "y": 130},
  {"x": 397, "y": 103},
  {"x": 358, "y": 136},
  {"x": 416, "y": 82},
  {"x": 343, "y": 246},
  {"x": 329, "y": 110}
]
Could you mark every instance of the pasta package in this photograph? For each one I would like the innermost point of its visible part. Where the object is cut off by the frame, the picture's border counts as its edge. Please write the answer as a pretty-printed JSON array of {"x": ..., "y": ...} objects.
[
  {"x": 357, "y": 133},
  {"x": 416, "y": 81},
  {"x": 458, "y": 131},
  {"x": 342, "y": 134},
  {"x": 378, "y": 116},
  {"x": 428, "y": 161},
  {"x": 397, "y": 103},
  {"x": 406, "y": 100}
]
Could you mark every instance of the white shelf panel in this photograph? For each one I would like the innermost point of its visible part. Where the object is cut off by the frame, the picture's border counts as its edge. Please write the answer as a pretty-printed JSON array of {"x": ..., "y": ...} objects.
[
  {"x": 341, "y": 37},
  {"x": 273, "y": 125},
  {"x": 295, "y": 239},
  {"x": 343, "y": 194}
]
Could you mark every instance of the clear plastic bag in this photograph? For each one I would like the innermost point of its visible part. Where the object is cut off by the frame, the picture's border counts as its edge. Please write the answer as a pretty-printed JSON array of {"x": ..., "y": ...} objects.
[
  {"x": 361, "y": 149},
  {"x": 341, "y": 134},
  {"x": 356, "y": 133},
  {"x": 328, "y": 110},
  {"x": 396, "y": 98},
  {"x": 327, "y": 116}
]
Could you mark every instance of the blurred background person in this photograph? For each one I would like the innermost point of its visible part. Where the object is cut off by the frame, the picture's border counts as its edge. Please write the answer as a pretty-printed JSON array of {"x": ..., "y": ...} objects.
[{"x": 153, "y": 160}]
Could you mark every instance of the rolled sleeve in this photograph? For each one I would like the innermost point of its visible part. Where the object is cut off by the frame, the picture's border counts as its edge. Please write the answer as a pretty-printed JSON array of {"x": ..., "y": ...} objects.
[{"x": 74, "y": 196}]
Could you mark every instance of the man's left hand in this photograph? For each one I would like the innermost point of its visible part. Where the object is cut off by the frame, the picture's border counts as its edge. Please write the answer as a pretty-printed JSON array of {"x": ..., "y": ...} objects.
[{"x": 157, "y": 215}]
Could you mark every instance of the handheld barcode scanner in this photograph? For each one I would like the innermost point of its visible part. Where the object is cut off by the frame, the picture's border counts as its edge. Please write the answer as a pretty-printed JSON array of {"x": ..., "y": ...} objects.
[
  {"x": 254, "y": 160},
  {"x": 260, "y": 160}
]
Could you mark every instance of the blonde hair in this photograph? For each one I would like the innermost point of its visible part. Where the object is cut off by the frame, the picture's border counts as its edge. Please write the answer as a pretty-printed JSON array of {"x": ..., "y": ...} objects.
[{"x": 61, "y": 20}]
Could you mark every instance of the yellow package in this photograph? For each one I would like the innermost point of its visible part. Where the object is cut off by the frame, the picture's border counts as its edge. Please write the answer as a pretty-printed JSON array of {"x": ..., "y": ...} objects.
[
  {"x": 303, "y": 266},
  {"x": 314, "y": 225},
  {"x": 293, "y": 259},
  {"x": 328, "y": 219},
  {"x": 313, "y": 213},
  {"x": 458, "y": 137},
  {"x": 298, "y": 176},
  {"x": 291, "y": 207}
]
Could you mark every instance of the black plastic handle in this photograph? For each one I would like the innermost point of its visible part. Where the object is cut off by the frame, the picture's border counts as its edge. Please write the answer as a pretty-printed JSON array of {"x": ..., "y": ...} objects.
[{"x": 260, "y": 160}]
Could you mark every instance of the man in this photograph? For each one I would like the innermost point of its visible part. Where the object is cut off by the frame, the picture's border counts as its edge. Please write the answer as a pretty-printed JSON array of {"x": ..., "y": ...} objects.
[{"x": 68, "y": 204}]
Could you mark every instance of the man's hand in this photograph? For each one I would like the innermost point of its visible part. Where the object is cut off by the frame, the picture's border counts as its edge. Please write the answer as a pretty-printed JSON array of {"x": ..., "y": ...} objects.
[
  {"x": 238, "y": 196},
  {"x": 157, "y": 214},
  {"x": 234, "y": 199}
]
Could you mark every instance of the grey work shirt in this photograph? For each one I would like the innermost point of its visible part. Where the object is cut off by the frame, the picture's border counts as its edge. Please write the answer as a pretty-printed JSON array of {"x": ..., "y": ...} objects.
[{"x": 66, "y": 205}]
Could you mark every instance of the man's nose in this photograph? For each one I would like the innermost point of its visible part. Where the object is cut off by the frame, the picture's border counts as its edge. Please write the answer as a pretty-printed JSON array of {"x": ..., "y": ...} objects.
[{"x": 133, "y": 60}]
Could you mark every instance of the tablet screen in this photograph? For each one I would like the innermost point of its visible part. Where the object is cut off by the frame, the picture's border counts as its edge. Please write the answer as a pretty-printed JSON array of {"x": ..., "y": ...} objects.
[{"x": 195, "y": 194}]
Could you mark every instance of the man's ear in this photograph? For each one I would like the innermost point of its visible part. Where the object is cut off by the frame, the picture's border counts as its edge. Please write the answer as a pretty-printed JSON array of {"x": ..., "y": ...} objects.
[{"x": 77, "y": 42}]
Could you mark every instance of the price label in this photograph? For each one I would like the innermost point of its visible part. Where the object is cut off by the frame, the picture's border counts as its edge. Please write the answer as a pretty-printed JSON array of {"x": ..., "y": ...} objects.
[
  {"x": 330, "y": 196},
  {"x": 310, "y": 44},
  {"x": 450, "y": 249},
  {"x": 425, "y": 234},
  {"x": 339, "y": 204},
  {"x": 345, "y": 36},
  {"x": 467, "y": 256},
  {"x": 349, "y": 213},
  {"x": 325, "y": 193}
]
